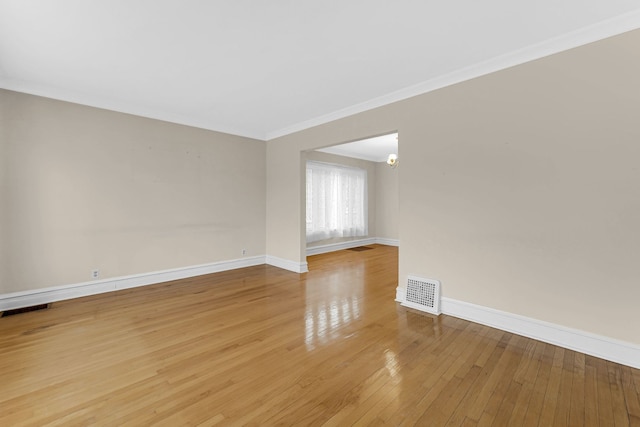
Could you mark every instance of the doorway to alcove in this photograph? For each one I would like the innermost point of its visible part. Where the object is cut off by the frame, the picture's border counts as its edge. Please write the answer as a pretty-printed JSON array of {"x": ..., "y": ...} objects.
[{"x": 381, "y": 203}]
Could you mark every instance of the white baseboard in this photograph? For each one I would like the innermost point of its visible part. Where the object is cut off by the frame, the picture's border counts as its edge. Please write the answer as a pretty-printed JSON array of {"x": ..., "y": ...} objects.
[
  {"x": 47, "y": 295},
  {"x": 388, "y": 242},
  {"x": 600, "y": 346},
  {"x": 296, "y": 267},
  {"x": 332, "y": 247},
  {"x": 15, "y": 300}
]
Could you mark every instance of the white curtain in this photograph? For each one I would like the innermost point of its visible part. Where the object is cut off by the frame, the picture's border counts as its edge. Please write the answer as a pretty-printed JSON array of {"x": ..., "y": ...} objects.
[{"x": 336, "y": 201}]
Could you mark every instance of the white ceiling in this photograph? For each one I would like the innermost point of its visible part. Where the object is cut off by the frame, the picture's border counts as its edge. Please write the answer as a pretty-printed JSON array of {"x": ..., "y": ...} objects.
[
  {"x": 373, "y": 149},
  {"x": 267, "y": 68}
]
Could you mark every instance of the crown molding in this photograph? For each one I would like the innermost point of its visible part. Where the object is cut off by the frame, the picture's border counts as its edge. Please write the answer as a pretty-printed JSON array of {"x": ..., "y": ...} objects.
[
  {"x": 580, "y": 37},
  {"x": 122, "y": 107},
  {"x": 601, "y": 30}
]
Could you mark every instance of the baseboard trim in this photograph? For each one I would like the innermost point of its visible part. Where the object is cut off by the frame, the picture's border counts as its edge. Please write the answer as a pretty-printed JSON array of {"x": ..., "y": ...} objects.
[
  {"x": 15, "y": 300},
  {"x": 58, "y": 293},
  {"x": 584, "y": 342},
  {"x": 296, "y": 267},
  {"x": 387, "y": 242},
  {"x": 332, "y": 247}
]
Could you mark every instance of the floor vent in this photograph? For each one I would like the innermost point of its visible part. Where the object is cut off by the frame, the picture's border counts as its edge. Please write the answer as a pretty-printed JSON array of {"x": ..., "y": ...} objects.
[
  {"x": 361, "y": 248},
  {"x": 423, "y": 295},
  {"x": 24, "y": 310}
]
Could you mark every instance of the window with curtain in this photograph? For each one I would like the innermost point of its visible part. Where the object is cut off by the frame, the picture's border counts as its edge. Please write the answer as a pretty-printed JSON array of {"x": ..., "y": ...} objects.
[{"x": 336, "y": 201}]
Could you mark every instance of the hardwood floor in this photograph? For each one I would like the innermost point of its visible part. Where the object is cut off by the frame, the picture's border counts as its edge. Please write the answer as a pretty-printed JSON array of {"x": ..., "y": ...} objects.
[{"x": 263, "y": 346}]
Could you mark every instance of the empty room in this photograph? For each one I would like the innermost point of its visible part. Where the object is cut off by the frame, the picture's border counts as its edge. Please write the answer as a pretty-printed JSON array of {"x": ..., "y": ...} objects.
[{"x": 311, "y": 213}]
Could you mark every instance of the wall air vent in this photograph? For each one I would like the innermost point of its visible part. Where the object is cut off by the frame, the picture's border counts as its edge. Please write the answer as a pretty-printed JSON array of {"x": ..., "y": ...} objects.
[{"x": 423, "y": 295}]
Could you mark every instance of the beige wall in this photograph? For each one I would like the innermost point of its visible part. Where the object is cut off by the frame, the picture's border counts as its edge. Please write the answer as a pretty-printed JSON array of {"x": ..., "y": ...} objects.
[
  {"x": 387, "y": 202},
  {"x": 91, "y": 189},
  {"x": 370, "y": 168},
  {"x": 519, "y": 190},
  {"x": 4, "y": 164}
]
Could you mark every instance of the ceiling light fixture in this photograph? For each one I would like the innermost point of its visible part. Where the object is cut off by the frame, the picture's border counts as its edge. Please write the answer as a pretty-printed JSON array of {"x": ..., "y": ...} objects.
[{"x": 392, "y": 160}]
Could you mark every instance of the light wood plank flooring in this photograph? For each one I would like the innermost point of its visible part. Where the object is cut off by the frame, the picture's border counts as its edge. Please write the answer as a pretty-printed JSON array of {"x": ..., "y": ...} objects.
[{"x": 263, "y": 346}]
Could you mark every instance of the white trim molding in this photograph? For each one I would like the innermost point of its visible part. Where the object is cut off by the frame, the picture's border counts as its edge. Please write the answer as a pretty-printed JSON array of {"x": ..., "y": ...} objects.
[
  {"x": 332, "y": 247},
  {"x": 573, "y": 339},
  {"x": 15, "y": 300},
  {"x": 296, "y": 267},
  {"x": 387, "y": 242},
  {"x": 582, "y": 36},
  {"x": 119, "y": 106},
  {"x": 58, "y": 293}
]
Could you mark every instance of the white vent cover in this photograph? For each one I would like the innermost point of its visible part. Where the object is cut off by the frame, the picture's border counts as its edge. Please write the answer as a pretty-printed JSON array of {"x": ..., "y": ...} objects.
[{"x": 423, "y": 294}]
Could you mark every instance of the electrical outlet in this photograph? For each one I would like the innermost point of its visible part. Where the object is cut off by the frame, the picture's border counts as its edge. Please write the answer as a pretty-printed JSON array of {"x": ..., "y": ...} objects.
[
  {"x": 95, "y": 274},
  {"x": 244, "y": 252}
]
